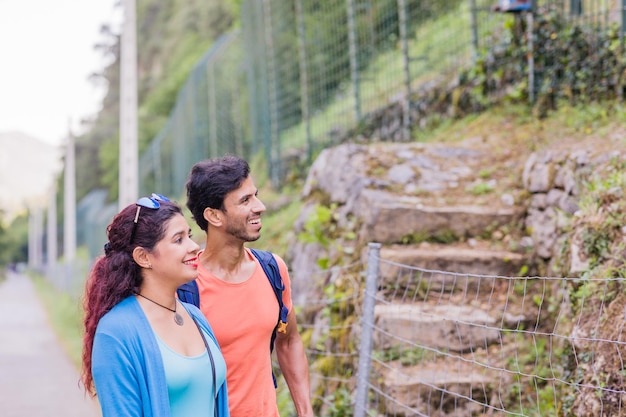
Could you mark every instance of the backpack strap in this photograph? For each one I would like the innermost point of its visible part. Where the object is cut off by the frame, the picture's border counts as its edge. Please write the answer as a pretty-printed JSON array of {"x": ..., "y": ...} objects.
[
  {"x": 270, "y": 267},
  {"x": 189, "y": 293}
]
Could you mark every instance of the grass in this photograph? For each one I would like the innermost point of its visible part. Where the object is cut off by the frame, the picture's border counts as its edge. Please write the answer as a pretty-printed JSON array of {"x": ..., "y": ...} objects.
[
  {"x": 278, "y": 228},
  {"x": 438, "y": 46}
]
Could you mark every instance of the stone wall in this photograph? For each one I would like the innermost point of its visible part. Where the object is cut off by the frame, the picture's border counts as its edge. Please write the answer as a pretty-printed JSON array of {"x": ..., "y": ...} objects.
[{"x": 553, "y": 179}]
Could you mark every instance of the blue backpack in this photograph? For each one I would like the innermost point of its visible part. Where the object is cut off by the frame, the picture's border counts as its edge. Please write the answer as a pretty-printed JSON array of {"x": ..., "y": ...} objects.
[{"x": 189, "y": 293}]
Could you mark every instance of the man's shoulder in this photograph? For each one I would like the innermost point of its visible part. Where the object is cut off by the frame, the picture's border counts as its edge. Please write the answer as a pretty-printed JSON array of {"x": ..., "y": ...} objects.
[{"x": 267, "y": 255}]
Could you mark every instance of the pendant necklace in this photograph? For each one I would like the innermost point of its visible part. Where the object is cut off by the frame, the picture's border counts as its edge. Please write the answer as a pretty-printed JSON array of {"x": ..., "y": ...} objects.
[{"x": 177, "y": 317}]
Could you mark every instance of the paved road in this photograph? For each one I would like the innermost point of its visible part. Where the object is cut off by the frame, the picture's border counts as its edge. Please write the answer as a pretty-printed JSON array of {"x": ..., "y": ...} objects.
[{"x": 37, "y": 378}]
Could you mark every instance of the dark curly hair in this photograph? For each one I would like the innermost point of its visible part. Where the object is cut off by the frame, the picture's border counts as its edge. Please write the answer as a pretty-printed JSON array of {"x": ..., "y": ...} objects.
[
  {"x": 116, "y": 275},
  {"x": 210, "y": 180}
]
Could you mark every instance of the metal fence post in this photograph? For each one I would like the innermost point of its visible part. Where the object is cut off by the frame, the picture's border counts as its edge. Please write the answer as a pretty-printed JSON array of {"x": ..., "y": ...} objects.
[
  {"x": 270, "y": 51},
  {"x": 474, "y": 29},
  {"x": 575, "y": 7},
  {"x": 304, "y": 79},
  {"x": 406, "y": 103},
  {"x": 623, "y": 19},
  {"x": 531, "y": 56},
  {"x": 367, "y": 330},
  {"x": 155, "y": 155},
  {"x": 354, "y": 61},
  {"x": 212, "y": 111}
]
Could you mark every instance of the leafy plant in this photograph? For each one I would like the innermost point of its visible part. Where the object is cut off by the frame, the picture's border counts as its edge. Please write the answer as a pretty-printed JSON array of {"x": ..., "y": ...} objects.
[
  {"x": 481, "y": 188},
  {"x": 573, "y": 61},
  {"x": 320, "y": 227},
  {"x": 407, "y": 357}
]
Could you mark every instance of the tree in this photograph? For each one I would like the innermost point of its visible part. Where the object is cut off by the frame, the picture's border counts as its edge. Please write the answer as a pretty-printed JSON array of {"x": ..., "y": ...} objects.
[{"x": 13, "y": 240}]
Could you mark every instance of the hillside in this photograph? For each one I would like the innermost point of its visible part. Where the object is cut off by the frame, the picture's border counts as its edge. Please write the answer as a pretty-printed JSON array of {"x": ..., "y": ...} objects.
[
  {"x": 171, "y": 37},
  {"x": 524, "y": 317},
  {"x": 512, "y": 134},
  {"x": 27, "y": 171}
]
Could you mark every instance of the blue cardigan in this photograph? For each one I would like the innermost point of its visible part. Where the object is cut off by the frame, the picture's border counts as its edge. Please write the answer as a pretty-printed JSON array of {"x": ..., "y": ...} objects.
[{"x": 127, "y": 366}]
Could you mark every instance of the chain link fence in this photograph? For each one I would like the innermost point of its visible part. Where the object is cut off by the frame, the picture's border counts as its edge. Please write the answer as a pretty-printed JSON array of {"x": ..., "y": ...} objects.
[
  {"x": 303, "y": 75},
  {"x": 300, "y": 76}
]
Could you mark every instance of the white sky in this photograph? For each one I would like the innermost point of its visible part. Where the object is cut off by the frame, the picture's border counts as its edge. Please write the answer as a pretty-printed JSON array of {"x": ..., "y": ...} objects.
[{"x": 46, "y": 55}]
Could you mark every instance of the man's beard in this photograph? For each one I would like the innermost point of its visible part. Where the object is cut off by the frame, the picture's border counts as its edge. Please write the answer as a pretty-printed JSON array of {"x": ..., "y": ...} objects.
[{"x": 240, "y": 233}]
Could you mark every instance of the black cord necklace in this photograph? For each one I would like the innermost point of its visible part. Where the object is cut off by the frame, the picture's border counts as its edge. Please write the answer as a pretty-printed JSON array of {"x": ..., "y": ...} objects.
[{"x": 177, "y": 317}]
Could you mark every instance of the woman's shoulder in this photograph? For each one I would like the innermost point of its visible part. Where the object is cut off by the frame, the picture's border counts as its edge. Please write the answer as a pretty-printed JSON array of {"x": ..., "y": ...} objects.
[{"x": 123, "y": 315}]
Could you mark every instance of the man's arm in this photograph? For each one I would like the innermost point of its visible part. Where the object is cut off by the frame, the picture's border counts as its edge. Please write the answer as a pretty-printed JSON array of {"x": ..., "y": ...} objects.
[{"x": 294, "y": 366}]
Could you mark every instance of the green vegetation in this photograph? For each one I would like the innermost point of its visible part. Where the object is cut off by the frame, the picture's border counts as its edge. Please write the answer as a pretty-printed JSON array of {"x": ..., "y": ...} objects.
[
  {"x": 481, "y": 188},
  {"x": 13, "y": 241},
  {"x": 283, "y": 209},
  {"x": 407, "y": 357},
  {"x": 534, "y": 364},
  {"x": 283, "y": 398},
  {"x": 441, "y": 236},
  {"x": 385, "y": 67},
  {"x": 572, "y": 63},
  {"x": 65, "y": 314},
  {"x": 172, "y": 37}
]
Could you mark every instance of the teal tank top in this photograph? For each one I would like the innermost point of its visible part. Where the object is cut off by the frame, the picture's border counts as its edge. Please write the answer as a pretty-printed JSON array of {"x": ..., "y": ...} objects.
[{"x": 189, "y": 380}]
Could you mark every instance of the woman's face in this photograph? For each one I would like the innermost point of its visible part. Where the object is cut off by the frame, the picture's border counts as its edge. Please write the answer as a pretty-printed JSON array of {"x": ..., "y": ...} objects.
[{"x": 175, "y": 256}]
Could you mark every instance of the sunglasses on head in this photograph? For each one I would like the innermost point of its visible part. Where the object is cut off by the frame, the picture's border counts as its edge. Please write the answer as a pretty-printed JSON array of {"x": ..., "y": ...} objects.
[{"x": 151, "y": 203}]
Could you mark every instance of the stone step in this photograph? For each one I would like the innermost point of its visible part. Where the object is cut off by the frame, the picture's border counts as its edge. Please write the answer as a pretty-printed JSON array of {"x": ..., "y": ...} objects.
[
  {"x": 445, "y": 388},
  {"x": 404, "y": 219},
  {"x": 455, "y": 266},
  {"x": 448, "y": 327}
]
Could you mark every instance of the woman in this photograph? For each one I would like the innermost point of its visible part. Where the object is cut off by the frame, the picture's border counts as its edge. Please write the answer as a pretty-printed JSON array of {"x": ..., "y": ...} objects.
[{"x": 145, "y": 353}]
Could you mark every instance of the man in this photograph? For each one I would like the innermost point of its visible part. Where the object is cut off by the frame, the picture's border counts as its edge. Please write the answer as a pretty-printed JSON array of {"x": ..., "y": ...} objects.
[{"x": 236, "y": 295}]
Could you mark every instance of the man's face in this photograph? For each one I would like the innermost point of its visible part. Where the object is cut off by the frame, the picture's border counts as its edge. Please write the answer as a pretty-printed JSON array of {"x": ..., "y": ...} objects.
[{"x": 243, "y": 210}]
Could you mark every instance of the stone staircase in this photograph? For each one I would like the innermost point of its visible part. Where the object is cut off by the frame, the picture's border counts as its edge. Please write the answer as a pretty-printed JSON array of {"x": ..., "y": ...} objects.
[
  {"x": 452, "y": 221},
  {"x": 451, "y": 302}
]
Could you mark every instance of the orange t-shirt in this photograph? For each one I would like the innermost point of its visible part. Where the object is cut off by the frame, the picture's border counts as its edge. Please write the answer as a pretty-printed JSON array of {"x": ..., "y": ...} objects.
[{"x": 243, "y": 316}]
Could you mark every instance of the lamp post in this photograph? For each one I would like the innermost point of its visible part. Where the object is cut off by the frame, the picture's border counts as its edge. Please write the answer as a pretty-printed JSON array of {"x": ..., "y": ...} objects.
[{"x": 128, "y": 164}]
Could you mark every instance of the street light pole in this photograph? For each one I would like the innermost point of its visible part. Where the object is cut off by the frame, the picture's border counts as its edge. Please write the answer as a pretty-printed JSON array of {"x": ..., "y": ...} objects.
[{"x": 128, "y": 164}]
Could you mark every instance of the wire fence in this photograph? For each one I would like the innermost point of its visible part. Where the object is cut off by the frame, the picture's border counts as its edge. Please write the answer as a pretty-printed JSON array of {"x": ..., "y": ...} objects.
[
  {"x": 68, "y": 278},
  {"x": 300, "y": 76},
  {"x": 391, "y": 339},
  {"x": 417, "y": 342}
]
